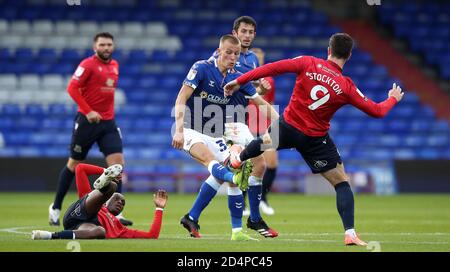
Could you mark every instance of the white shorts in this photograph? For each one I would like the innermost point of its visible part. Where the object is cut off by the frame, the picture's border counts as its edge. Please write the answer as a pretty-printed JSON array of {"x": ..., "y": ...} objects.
[
  {"x": 216, "y": 145},
  {"x": 238, "y": 133}
]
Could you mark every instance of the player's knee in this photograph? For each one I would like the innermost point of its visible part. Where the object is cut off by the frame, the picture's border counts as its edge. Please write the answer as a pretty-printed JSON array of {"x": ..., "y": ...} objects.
[{"x": 72, "y": 164}]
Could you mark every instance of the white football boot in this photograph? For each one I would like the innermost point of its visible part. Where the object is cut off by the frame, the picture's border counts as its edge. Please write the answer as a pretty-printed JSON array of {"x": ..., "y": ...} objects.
[
  {"x": 53, "y": 216},
  {"x": 108, "y": 175},
  {"x": 41, "y": 235}
]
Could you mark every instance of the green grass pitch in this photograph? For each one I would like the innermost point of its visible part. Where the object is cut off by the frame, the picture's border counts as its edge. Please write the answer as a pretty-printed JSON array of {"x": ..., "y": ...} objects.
[{"x": 305, "y": 223}]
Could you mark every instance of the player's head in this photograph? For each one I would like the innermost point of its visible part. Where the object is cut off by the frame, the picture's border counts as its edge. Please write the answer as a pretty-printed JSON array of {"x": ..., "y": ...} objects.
[
  {"x": 244, "y": 28},
  {"x": 116, "y": 203},
  {"x": 229, "y": 50},
  {"x": 104, "y": 45},
  {"x": 340, "y": 46},
  {"x": 260, "y": 54}
]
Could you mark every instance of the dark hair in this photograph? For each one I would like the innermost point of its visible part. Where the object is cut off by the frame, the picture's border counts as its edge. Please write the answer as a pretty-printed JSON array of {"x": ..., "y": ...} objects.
[
  {"x": 341, "y": 45},
  {"x": 243, "y": 19},
  {"x": 103, "y": 35},
  {"x": 231, "y": 38}
]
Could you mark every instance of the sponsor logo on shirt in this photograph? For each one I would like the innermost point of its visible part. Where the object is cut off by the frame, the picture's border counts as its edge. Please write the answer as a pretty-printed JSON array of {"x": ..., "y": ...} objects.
[{"x": 214, "y": 98}]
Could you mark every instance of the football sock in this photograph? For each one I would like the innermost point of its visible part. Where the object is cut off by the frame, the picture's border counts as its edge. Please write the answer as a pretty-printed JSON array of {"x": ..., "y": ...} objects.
[
  {"x": 345, "y": 204},
  {"x": 64, "y": 180},
  {"x": 220, "y": 172},
  {"x": 65, "y": 234},
  {"x": 235, "y": 205},
  {"x": 269, "y": 177},
  {"x": 254, "y": 197},
  {"x": 207, "y": 192},
  {"x": 253, "y": 149}
]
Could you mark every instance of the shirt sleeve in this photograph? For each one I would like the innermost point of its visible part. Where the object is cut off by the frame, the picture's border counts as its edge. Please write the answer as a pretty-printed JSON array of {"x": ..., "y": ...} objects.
[
  {"x": 365, "y": 104},
  {"x": 78, "y": 82},
  {"x": 194, "y": 76},
  {"x": 82, "y": 173},
  {"x": 295, "y": 65},
  {"x": 154, "y": 231}
]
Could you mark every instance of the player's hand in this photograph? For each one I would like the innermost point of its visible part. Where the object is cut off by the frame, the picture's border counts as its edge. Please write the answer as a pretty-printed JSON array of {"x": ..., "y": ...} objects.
[
  {"x": 396, "y": 92},
  {"x": 93, "y": 117},
  {"x": 230, "y": 88},
  {"x": 264, "y": 86},
  {"x": 178, "y": 140},
  {"x": 160, "y": 198}
]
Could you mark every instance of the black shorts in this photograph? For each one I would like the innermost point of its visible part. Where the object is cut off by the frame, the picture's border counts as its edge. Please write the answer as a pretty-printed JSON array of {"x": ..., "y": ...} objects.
[
  {"x": 84, "y": 135},
  {"x": 320, "y": 153},
  {"x": 76, "y": 215}
]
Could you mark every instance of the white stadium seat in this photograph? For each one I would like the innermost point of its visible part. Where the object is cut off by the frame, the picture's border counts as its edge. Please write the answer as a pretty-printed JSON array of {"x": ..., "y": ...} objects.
[
  {"x": 8, "y": 81},
  {"x": 65, "y": 28},
  {"x": 42, "y": 27},
  {"x": 87, "y": 28},
  {"x": 20, "y": 27},
  {"x": 29, "y": 81},
  {"x": 132, "y": 29}
]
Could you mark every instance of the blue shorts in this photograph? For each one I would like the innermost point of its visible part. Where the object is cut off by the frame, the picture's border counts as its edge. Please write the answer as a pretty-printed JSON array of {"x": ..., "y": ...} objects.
[
  {"x": 105, "y": 133},
  {"x": 320, "y": 153}
]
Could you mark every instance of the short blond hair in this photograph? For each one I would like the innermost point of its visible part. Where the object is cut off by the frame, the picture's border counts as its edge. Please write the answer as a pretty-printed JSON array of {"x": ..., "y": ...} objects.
[{"x": 232, "y": 39}]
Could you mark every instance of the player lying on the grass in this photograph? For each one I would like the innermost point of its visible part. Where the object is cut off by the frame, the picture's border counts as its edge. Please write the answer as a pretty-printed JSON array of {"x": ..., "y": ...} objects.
[
  {"x": 93, "y": 216},
  {"x": 320, "y": 90}
]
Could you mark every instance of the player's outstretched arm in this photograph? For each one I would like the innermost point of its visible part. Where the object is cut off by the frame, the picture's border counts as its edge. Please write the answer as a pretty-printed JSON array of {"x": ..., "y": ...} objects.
[
  {"x": 396, "y": 92},
  {"x": 160, "y": 200},
  {"x": 376, "y": 110}
]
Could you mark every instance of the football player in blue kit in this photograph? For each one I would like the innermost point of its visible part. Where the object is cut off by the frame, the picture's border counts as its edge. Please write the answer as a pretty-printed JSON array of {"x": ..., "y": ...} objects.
[
  {"x": 201, "y": 112},
  {"x": 244, "y": 28}
]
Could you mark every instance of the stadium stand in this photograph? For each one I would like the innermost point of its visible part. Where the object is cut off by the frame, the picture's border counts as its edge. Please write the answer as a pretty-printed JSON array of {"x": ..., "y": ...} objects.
[{"x": 157, "y": 41}]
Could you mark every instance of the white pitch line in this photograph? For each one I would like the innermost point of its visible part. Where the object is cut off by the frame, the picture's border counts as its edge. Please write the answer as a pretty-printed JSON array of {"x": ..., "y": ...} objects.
[{"x": 15, "y": 230}]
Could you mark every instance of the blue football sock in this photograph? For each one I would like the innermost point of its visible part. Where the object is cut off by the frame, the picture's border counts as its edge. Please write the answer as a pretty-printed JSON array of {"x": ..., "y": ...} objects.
[
  {"x": 345, "y": 204},
  {"x": 254, "y": 197},
  {"x": 220, "y": 171},
  {"x": 207, "y": 192},
  {"x": 236, "y": 206}
]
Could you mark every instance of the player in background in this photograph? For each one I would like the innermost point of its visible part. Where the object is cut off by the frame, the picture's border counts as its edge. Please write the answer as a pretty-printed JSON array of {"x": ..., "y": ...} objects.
[
  {"x": 94, "y": 214},
  {"x": 320, "y": 90},
  {"x": 258, "y": 126},
  {"x": 200, "y": 117},
  {"x": 92, "y": 87}
]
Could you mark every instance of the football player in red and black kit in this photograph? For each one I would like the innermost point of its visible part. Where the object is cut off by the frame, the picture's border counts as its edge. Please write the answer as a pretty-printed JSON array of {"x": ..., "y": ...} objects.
[
  {"x": 93, "y": 216},
  {"x": 320, "y": 90},
  {"x": 92, "y": 87}
]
